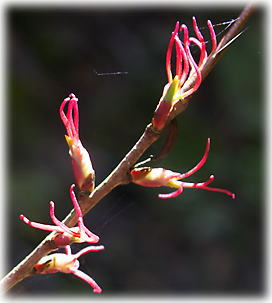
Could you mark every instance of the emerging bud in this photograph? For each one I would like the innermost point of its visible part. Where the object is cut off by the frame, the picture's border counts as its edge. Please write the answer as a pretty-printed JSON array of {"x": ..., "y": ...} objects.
[
  {"x": 68, "y": 264},
  {"x": 186, "y": 69},
  {"x": 164, "y": 107},
  {"x": 65, "y": 235},
  {"x": 157, "y": 177},
  {"x": 81, "y": 162}
]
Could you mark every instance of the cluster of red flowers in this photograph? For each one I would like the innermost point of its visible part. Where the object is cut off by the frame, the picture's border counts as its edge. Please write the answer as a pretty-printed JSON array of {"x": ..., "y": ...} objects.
[
  {"x": 187, "y": 70},
  {"x": 65, "y": 236}
]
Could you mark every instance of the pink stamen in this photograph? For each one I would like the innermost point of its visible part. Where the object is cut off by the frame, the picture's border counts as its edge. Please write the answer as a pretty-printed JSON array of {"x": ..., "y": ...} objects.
[
  {"x": 64, "y": 117},
  {"x": 71, "y": 119},
  {"x": 72, "y": 96},
  {"x": 88, "y": 249},
  {"x": 210, "y": 180},
  {"x": 72, "y": 108},
  {"x": 191, "y": 61},
  {"x": 204, "y": 186},
  {"x": 75, "y": 117},
  {"x": 197, "y": 31},
  {"x": 212, "y": 34},
  {"x": 224, "y": 191},
  {"x": 82, "y": 227},
  {"x": 74, "y": 201},
  {"x": 56, "y": 221},
  {"x": 200, "y": 163},
  {"x": 93, "y": 238},
  {"x": 212, "y": 189},
  {"x": 178, "y": 58},
  {"x": 197, "y": 81},
  {"x": 183, "y": 75},
  {"x": 198, "y": 76},
  {"x": 40, "y": 225},
  {"x": 203, "y": 53},
  {"x": 169, "y": 53},
  {"x": 80, "y": 274},
  {"x": 76, "y": 207},
  {"x": 173, "y": 194},
  {"x": 201, "y": 45},
  {"x": 199, "y": 184}
]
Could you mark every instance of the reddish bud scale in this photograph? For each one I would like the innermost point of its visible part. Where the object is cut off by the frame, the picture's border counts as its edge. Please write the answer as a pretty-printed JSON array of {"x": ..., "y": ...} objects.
[
  {"x": 62, "y": 240},
  {"x": 140, "y": 177},
  {"x": 161, "y": 114}
]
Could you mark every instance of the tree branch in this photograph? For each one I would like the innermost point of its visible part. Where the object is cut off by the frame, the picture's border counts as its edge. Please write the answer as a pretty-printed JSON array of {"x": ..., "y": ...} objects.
[{"x": 120, "y": 174}]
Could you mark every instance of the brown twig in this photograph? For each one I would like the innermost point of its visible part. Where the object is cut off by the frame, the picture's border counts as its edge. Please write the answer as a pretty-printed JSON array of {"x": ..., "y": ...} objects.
[{"x": 120, "y": 174}]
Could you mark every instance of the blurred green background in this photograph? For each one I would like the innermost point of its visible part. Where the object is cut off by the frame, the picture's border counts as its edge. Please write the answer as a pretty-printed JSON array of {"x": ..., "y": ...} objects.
[{"x": 199, "y": 243}]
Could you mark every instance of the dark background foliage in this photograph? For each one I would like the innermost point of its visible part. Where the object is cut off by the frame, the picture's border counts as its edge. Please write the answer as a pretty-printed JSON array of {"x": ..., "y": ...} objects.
[{"x": 199, "y": 243}]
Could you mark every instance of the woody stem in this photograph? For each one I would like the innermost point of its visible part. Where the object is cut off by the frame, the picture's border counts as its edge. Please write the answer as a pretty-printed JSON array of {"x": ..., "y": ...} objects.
[{"x": 120, "y": 173}]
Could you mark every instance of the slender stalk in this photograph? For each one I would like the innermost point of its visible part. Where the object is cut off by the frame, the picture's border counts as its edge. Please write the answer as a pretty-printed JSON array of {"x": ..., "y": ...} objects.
[{"x": 120, "y": 175}]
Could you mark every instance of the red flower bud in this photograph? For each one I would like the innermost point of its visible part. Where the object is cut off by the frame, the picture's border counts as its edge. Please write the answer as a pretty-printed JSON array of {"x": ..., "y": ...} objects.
[
  {"x": 65, "y": 235},
  {"x": 157, "y": 177},
  {"x": 68, "y": 264},
  {"x": 81, "y": 162},
  {"x": 186, "y": 68}
]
